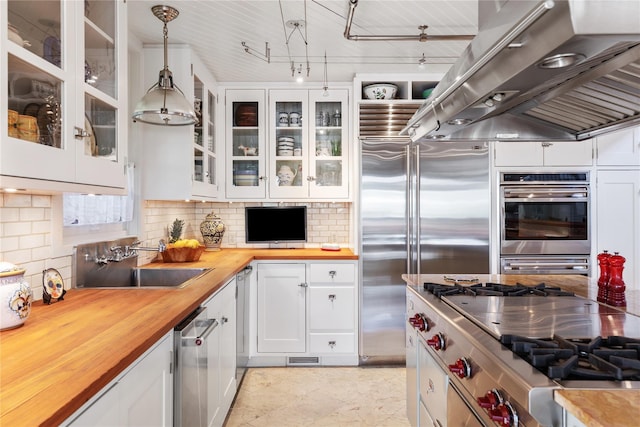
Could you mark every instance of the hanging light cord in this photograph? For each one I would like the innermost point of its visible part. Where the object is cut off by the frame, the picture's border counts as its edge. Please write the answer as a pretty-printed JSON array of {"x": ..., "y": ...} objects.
[{"x": 287, "y": 37}]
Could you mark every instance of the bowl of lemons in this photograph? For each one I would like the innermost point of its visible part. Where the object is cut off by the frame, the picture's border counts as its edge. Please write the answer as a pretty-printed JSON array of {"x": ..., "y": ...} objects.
[{"x": 183, "y": 250}]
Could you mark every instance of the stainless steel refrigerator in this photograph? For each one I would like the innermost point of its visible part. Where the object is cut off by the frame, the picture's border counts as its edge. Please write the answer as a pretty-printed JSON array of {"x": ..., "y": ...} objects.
[{"x": 424, "y": 208}]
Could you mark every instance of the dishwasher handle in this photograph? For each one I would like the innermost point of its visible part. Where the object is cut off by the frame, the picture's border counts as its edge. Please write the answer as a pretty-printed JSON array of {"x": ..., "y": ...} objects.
[{"x": 210, "y": 325}]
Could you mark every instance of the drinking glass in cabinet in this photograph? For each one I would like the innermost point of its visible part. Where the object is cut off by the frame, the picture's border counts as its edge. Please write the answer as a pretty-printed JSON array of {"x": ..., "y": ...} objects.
[
  {"x": 35, "y": 25},
  {"x": 34, "y": 104},
  {"x": 245, "y": 173},
  {"x": 198, "y": 165},
  {"x": 100, "y": 128},
  {"x": 329, "y": 173}
]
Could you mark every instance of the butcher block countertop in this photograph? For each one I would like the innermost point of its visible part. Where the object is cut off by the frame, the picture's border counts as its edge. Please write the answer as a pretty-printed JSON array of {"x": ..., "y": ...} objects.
[
  {"x": 68, "y": 351},
  {"x": 594, "y": 408}
]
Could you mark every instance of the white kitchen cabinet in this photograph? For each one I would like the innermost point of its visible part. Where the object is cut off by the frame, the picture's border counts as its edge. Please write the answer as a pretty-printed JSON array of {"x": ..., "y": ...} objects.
[
  {"x": 332, "y": 308},
  {"x": 63, "y": 118},
  {"x": 180, "y": 162},
  {"x": 620, "y": 148},
  {"x": 282, "y": 295},
  {"x": 308, "y": 153},
  {"x": 618, "y": 219},
  {"x": 245, "y": 131},
  {"x": 221, "y": 350},
  {"x": 141, "y": 395},
  {"x": 535, "y": 153},
  {"x": 307, "y": 313}
]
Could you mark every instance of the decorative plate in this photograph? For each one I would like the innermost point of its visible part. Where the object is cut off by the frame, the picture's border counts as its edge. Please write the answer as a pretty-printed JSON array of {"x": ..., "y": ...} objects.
[{"x": 52, "y": 285}]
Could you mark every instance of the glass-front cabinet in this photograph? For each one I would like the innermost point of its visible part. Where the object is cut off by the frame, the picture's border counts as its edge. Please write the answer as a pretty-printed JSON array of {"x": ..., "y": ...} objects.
[
  {"x": 245, "y": 141},
  {"x": 65, "y": 76},
  {"x": 307, "y": 134}
]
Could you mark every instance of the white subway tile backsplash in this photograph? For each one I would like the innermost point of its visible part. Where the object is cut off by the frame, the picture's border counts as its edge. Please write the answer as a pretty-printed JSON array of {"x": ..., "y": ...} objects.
[
  {"x": 16, "y": 228},
  {"x": 32, "y": 214},
  {"x": 17, "y": 200}
]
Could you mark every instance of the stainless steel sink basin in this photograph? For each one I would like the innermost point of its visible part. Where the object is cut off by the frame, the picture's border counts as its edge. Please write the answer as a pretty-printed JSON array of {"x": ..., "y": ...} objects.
[{"x": 164, "y": 277}]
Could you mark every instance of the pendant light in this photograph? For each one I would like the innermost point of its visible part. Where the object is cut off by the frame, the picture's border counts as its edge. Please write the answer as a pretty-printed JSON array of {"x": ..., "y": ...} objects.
[{"x": 164, "y": 103}]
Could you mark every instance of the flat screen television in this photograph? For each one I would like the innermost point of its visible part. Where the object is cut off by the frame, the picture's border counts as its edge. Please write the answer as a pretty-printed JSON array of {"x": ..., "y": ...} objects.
[{"x": 276, "y": 224}]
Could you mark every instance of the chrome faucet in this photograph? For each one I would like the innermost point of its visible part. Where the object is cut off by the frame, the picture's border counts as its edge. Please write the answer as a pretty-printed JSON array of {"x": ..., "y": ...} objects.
[{"x": 135, "y": 246}]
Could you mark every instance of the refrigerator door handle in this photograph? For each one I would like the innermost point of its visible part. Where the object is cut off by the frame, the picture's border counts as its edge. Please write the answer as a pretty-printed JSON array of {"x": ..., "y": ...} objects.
[
  {"x": 409, "y": 209},
  {"x": 417, "y": 210}
]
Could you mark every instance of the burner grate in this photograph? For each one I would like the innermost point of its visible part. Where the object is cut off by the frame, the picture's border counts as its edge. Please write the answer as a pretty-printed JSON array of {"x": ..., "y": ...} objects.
[
  {"x": 494, "y": 289},
  {"x": 612, "y": 358}
]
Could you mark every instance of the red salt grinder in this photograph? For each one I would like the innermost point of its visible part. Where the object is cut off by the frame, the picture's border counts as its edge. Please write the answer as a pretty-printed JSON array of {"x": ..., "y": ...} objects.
[
  {"x": 616, "y": 289},
  {"x": 603, "y": 280}
]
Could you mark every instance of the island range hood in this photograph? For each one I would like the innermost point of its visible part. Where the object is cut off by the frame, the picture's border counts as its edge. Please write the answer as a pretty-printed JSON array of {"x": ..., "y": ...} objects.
[{"x": 563, "y": 70}]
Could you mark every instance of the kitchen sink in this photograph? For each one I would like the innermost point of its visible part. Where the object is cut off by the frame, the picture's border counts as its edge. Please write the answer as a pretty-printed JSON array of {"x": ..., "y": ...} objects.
[{"x": 164, "y": 277}]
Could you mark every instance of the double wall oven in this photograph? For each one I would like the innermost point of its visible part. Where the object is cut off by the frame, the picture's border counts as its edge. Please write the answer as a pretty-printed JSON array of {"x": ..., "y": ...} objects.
[{"x": 545, "y": 223}]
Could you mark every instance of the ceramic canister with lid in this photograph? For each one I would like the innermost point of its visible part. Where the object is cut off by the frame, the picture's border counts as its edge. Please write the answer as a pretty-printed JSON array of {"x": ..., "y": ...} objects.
[{"x": 15, "y": 296}]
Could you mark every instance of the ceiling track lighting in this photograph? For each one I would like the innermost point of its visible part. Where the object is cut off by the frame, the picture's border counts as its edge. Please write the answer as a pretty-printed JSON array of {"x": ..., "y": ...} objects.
[
  {"x": 296, "y": 26},
  {"x": 325, "y": 81},
  {"x": 266, "y": 56},
  {"x": 422, "y": 62},
  {"x": 164, "y": 103},
  {"x": 422, "y": 37}
]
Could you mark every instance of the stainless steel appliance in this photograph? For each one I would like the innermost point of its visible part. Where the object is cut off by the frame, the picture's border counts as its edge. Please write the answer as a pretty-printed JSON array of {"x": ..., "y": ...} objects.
[
  {"x": 423, "y": 208},
  {"x": 540, "y": 70},
  {"x": 545, "y": 222},
  {"x": 191, "y": 369},
  {"x": 503, "y": 350}
]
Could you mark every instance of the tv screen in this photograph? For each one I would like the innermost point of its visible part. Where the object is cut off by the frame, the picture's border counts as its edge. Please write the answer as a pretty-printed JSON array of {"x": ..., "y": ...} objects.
[{"x": 275, "y": 224}]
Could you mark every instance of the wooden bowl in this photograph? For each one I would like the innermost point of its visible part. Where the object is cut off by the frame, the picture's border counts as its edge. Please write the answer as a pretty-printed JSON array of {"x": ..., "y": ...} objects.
[{"x": 182, "y": 254}]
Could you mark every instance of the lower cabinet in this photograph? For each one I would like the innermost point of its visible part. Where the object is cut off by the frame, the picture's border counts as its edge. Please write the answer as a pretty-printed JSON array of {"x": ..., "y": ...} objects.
[
  {"x": 141, "y": 395},
  {"x": 221, "y": 372},
  {"x": 306, "y": 313}
]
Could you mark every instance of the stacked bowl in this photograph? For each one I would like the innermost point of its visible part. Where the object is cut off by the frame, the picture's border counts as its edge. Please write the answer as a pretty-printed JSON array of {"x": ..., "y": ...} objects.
[{"x": 285, "y": 146}]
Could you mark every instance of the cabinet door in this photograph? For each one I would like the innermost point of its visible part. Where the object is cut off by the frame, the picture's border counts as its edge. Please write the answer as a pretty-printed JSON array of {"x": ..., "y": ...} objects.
[
  {"x": 518, "y": 153},
  {"x": 328, "y": 144},
  {"x": 618, "y": 214},
  {"x": 571, "y": 153},
  {"x": 288, "y": 144},
  {"x": 282, "y": 296},
  {"x": 620, "y": 148},
  {"x": 246, "y": 174},
  {"x": 228, "y": 346}
]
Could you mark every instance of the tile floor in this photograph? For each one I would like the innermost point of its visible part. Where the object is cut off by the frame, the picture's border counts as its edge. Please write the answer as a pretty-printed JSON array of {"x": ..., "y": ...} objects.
[{"x": 321, "y": 397}]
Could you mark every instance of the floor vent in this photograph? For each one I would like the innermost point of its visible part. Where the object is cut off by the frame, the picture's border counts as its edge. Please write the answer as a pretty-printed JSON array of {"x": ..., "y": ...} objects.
[{"x": 303, "y": 361}]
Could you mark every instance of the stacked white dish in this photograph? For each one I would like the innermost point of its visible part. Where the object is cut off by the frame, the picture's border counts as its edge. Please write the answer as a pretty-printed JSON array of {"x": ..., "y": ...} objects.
[{"x": 285, "y": 146}]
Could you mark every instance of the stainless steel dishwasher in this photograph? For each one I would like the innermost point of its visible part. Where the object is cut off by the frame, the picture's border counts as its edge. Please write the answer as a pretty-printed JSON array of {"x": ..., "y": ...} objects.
[{"x": 192, "y": 362}]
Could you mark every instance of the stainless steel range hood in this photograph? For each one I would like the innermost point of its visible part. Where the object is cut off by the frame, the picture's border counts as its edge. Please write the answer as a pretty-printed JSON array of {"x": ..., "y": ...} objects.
[{"x": 551, "y": 70}]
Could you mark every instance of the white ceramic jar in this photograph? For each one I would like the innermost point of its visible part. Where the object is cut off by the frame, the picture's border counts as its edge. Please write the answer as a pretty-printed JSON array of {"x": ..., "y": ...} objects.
[{"x": 15, "y": 296}]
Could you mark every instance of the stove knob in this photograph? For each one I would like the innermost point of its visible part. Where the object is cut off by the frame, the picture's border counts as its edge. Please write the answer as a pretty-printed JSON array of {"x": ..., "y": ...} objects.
[
  {"x": 436, "y": 342},
  {"x": 461, "y": 368},
  {"x": 419, "y": 322},
  {"x": 504, "y": 415},
  {"x": 492, "y": 399}
]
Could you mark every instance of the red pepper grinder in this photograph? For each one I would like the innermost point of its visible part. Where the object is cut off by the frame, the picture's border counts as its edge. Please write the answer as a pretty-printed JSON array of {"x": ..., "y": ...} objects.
[
  {"x": 616, "y": 289},
  {"x": 603, "y": 280}
]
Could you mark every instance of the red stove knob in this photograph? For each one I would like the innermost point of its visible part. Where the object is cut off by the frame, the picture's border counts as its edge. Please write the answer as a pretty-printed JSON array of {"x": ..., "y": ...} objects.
[
  {"x": 436, "y": 342},
  {"x": 504, "y": 415},
  {"x": 462, "y": 368},
  {"x": 419, "y": 322},
  {"x": 492, "y": 399}
]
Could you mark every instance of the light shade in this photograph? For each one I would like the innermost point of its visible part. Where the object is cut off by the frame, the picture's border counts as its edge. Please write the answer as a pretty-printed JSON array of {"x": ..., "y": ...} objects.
[{"x": 165, "y": 104}]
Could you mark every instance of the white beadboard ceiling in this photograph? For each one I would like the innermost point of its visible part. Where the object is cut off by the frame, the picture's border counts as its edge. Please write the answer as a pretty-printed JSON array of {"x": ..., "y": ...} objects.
[{"x": 216, "y": 29}]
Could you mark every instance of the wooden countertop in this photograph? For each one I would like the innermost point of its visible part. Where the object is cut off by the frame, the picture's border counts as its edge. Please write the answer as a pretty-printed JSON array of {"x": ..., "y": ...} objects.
[
  {"x": 68, "y": 351},
  {"x": 597, "y": 408}
]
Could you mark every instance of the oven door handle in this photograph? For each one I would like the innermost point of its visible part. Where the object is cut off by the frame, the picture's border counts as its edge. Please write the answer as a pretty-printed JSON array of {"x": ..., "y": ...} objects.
[
  {"x": 546, "y": 193},
  {"x": 547, "y": 264}
]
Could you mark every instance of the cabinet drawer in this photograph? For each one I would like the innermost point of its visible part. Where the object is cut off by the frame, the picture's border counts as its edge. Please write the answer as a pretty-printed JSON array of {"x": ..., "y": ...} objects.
[
  {"x": 331, "y": 308},
  {"x": 332, "y": 343},
  {"x": 332, "y": 273}
]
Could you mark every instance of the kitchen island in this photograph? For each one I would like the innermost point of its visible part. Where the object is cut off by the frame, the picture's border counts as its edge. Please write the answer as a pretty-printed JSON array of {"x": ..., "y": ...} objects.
[
  {"x": 68, "y": 351},
  {"x": 587, "y": 405}
]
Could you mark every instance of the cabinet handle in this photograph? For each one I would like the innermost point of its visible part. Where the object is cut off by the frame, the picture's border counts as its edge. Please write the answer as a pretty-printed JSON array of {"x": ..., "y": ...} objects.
[
  {"x": 224, "y": 320},
  {"x": 332, "y": 273},
  {"x": 546, "y": 144},
  {"x": 332, "y": 297},
  {"x": 311, "y": 178},
  {"x": 80, "y": 133},
  {"x": 303, "y": 285},
  {"x": 262, "y": 178},
  {"x": 332, "y": 344}
]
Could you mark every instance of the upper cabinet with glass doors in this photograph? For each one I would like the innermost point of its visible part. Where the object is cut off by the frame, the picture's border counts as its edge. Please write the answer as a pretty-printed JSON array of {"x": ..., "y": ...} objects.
[
  {"x": 245, "y": 144},
  {"x": 65, "y": 108},
  {"x": 180, "y": 162},
  {"x": 308, "y": 144}
]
